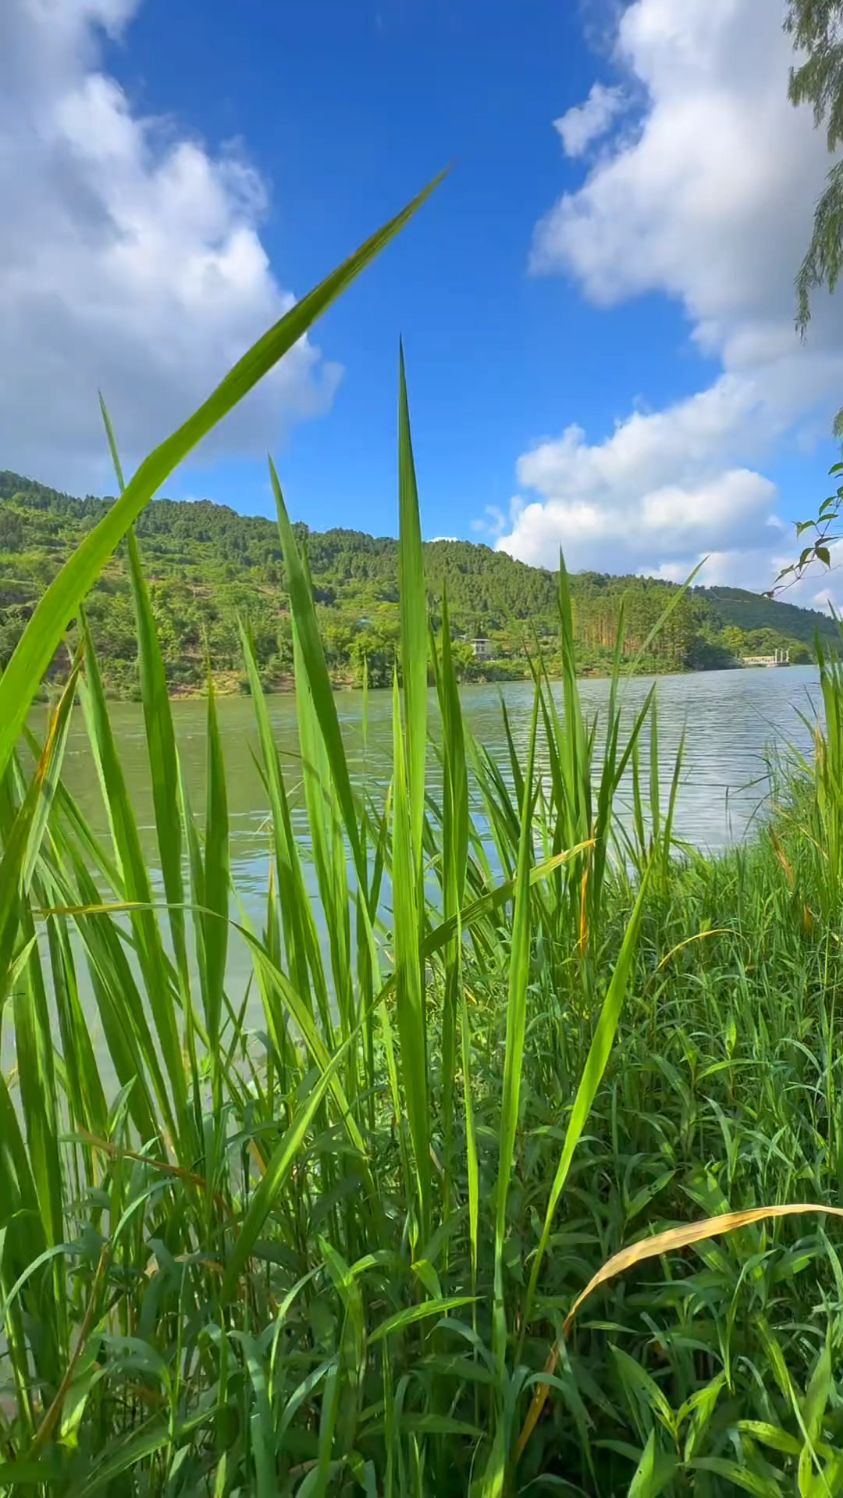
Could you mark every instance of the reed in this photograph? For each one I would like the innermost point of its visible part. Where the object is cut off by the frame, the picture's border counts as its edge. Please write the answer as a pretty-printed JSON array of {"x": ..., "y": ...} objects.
[{"x": 514, "y": 1030}]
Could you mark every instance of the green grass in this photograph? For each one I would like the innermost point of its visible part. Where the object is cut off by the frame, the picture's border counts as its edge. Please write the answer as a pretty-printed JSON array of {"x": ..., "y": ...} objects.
[{"x": 512, "y": 1033}]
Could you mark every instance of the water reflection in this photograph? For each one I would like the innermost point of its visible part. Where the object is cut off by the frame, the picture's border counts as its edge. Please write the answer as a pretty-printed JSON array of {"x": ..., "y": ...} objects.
[{"x": 731, "y": 718}]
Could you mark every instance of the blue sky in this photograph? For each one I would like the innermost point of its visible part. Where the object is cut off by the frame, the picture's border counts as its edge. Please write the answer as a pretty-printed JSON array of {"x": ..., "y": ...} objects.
[
  {"x": 598, "y": 322},
  {"x": 347, "y": 109}
]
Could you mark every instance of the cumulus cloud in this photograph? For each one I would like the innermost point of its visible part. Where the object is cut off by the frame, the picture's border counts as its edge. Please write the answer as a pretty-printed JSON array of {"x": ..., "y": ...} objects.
[
  {"x": 708, "y": 200},
  {"x": 585, "y": 123},
  {"x": 130, "y": 259}
]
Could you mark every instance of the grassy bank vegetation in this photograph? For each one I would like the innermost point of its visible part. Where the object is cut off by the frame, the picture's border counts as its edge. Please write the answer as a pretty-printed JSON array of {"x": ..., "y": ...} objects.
[{"x": 326, "y": 1232}]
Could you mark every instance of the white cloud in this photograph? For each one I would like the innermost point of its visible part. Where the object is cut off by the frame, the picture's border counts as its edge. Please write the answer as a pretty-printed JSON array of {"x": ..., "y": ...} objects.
[
  {"x": 130, "y": 259},
  {"x": 585, "y": 123},
  {"x": 828, "y": 598},
  {"x": 708, "y": 200}
]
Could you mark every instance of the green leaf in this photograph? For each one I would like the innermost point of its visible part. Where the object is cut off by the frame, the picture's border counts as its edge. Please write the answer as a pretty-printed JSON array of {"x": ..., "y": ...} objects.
[
  {"x": 136, "y": 886},
  {"x": 402, "y": 1319},
  {"x": 413, "y": 604},
  {"x": 409, "y": 972},
  {"x": 215, "y": 893},
  {"x": 642, "y": 1390},
  {"x": 313, "y": 660},
  {"x": 737, "y": 1476},
  {"x": 22, "y": 841},
  {"x": 163, "y": 755},
  {"x": 654, "y": 1471},
  {"x": 770, "y": 1435}
]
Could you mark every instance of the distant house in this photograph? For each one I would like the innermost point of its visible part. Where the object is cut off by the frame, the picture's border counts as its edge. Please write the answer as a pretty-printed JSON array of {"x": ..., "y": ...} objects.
[{"x": 482, "y": 650}]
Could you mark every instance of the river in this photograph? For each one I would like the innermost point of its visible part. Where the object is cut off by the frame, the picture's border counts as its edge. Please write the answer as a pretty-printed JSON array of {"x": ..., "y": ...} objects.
[{"x": 730, "y": 718}]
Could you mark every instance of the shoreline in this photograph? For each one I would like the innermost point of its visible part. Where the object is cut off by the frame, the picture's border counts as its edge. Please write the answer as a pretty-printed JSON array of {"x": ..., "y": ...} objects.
[{"x": 283, "y": 685}]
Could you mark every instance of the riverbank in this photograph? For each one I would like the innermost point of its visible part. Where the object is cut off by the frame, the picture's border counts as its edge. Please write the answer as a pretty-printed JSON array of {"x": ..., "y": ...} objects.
[{"x": 235, "y": 684}]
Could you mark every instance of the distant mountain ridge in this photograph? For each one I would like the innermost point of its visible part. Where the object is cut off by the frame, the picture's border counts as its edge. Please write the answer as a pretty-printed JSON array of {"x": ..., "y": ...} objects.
[{"x": 209, "y": 565}]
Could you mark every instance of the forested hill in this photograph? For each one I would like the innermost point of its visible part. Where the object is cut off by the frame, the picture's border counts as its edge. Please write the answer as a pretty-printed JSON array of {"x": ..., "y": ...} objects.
[{"x": 207, "y": 566}]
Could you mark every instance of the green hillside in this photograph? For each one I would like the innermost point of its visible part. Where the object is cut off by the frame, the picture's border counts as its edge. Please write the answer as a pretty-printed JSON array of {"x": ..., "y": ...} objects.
[
  {"x": 751, "y": 611},
  {"x": 207, "y": 566}
]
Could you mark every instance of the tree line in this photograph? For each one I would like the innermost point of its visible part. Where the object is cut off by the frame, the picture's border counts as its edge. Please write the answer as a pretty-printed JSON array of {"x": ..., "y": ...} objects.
[{"x": 210, "y": 567}]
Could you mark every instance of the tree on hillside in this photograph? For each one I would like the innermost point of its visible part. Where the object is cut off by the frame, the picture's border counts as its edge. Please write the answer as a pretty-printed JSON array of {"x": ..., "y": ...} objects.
[{"x": 11, "y": 531}]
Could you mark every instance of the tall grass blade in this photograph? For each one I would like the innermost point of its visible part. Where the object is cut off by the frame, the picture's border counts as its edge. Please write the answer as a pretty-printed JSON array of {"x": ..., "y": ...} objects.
[
  {"x": 215, "y": 896},
  {"x": 409, "y": 971},
  {"x": 412, "y": 593},
  {"x": 319, "y": 682},
  {"x": 516, "y": 1021}
]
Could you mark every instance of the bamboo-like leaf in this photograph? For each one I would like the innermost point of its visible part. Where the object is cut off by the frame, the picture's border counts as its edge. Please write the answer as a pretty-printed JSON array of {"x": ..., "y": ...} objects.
[
  {"x": 413, "y": 1314},
  {"x": 23, "y": 838},
  {"x": 161, "y": 749},
  {"x": 494, "y": 899},
  {"x": 301, "y": 936},
  {"x": 455, "y": 837},
  {"x": 326, "y": 833}
]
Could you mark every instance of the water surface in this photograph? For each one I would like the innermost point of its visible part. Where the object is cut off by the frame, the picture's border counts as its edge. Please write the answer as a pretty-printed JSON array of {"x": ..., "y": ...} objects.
[{"x": 730, "y": 718}]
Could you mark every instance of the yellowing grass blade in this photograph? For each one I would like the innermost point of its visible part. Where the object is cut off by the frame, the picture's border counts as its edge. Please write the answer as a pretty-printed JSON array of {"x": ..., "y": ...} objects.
[
  {"x": 694, "y": 1232},
  {"x": 667, "y": 1242},
  {"x": 45, "y": 629}
]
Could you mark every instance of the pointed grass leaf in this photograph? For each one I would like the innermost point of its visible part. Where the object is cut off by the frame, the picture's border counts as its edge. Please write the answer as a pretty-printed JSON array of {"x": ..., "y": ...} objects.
[
  {"x": 413, "y": 607},
  {"x": 313, "y": 660},
  {"x": 215, "y": 890},
  {"x": 410, "y": 995},
  {"x": 422, "y": 1312},
  {"x": 655, "y": 1471}
]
